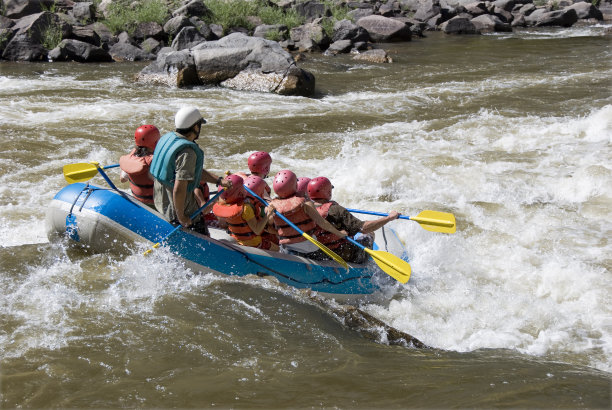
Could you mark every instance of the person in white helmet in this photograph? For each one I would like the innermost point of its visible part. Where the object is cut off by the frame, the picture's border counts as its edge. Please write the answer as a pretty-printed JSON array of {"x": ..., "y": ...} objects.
[{"x": 177, "y": 167}]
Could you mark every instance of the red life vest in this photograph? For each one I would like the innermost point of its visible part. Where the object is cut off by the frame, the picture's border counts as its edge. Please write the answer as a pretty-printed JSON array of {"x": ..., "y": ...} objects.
[
  {"x": 293, "y": 209},
  {"x": 232, "y": 214},
  {"x": 137, "y": 169},
  {"x": 327, "y": 238}
]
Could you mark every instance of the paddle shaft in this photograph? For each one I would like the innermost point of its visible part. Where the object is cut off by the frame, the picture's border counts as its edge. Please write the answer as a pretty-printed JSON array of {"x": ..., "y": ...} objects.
[
  {"x": 428, "y": 221},
  {"x": 200, "y": 209},
  {"x": 263, "y": 201},
  {"x": 106, "y": 178}
]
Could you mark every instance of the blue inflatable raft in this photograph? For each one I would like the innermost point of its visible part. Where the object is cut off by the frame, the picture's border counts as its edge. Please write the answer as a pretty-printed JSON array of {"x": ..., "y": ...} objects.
[{"x": 107, "y": 220}]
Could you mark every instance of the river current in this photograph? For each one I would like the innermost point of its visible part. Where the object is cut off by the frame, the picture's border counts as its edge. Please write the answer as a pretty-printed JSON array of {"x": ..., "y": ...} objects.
[{"x": 512, "y": 133}]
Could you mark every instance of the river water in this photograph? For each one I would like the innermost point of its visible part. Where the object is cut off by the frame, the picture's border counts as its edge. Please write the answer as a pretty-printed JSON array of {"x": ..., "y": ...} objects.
[{"x": 512, "y": 133}]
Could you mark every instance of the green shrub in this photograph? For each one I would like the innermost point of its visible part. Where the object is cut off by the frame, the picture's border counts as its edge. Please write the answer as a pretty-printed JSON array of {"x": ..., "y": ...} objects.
[
  {"x": 51, "y": 36},
  {"x": 274, "y": 35},
  {"x": 122, "y": 17},
  {"x": 234, "y": 13}
]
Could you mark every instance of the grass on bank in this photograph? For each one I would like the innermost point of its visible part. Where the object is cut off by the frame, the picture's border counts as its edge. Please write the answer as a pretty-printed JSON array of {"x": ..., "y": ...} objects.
[{"x": 124, "y": 15}]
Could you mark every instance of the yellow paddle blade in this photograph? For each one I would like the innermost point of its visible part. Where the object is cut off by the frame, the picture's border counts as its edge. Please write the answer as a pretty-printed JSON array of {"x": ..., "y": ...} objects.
[
  {"x": 80, "y": 172},
  {"x": 436, "y": 221},
  {"x": 393, "y": 266},
  {"x": 327, "y": 251}
]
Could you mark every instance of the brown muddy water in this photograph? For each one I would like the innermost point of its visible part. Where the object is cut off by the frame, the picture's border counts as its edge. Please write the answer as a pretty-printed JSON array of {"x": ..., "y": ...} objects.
[{"x": 512, "y": 133}]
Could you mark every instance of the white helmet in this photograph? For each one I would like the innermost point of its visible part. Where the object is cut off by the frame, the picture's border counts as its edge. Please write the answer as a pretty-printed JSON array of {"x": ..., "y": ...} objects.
[{"x": 187, "y": 117}]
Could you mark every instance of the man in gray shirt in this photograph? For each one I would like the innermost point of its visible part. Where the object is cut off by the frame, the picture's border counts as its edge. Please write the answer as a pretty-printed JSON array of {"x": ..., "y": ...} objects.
[{"x": 178, "y": 168}]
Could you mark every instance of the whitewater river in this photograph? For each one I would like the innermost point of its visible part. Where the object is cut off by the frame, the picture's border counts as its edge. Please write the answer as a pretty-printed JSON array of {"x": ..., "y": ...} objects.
[{"x": 511, "y": 133}]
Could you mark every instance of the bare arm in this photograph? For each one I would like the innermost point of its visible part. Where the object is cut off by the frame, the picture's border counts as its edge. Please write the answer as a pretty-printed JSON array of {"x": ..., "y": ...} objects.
[
  {"x": 179, "y": 194},
  {"x": 312, "y": 212},
  {"x": 212, "y": 178},
  {"x": 258, "y": 226},
  {"x": 371, "y": 226}
]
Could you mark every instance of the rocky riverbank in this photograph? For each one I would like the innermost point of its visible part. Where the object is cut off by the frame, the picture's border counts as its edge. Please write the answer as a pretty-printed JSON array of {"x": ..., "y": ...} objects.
[{"x": 189, "y": 46}]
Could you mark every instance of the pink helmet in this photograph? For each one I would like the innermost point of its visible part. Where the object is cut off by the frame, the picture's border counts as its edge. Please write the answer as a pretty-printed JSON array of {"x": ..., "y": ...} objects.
[
  {"x": 255, "y": 184},
  {"x": 236, "y": 192},
  {"x": 285, "y": 183},
  {"x": 147, "y": 136},
  {"x": 260, "y": 162},
  {"x": 302, "y": 185},
  {"x": 320, "y": 188}
]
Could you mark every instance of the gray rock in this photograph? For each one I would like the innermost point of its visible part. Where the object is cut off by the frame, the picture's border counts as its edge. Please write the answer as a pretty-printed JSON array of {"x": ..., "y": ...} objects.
[
  {"x": 310, "y": 37},
  {"x": 586, "y": 10},
  {"x": 129, "y": 52},
  {"x": 373, "y": 56},
  {"x": 16, "y": 9},
  {"x": 339, "y": 47},
  {"x": 86, "y": 34},
  {"x": 563, "y": 18},
  {"x": 312, "y": 10},
  {"x": 488, "y": 23},
  {"x": 506, "y": 5},
  {"x": 188, "y": 37},
  {"x": 347, "y": 30},
  {"x": 176, "y": 24},
  {"x": 195, "y": 8},
  {"x": 150, "y": 45},
  {"x": 83, "y": 12},
  {"x": 23, "y": 48},
  {"x": 458, "y": 25},
  {"x": 204, "y": 29},
  {"x": 149, "y": 29},
  {"x": 357, "y": 14},
  {"x": 476, "y": 9},
  {"x": 427, "y": 9},
  {"x": 383, "y": 29},
  {"x": 235, "y": 61},
  {"x": 75, "y": 50}
]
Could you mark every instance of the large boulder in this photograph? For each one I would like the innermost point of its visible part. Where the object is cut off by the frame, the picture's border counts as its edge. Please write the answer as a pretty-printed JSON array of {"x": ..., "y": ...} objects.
[
  {"x": 373, "y": 56},
  {"x": 75, "y": 50},
  {"x": 124, "y": 51},
  {"x": 383, "y": 29},
  {"x": 16, "y": 9},
  {"x": 347, "y": 30},
  {"x": 310, "y": 37},
  {"x": 586, "y": 10},
  {"x": 188, "y": 37},
  {"x": 235, "y": 61},
  {"x": 28, "y": 36},
  {"x": 458, "y": 25},
  {"x": 488, "y": 23},
  {"x": 564, "y": 18}
]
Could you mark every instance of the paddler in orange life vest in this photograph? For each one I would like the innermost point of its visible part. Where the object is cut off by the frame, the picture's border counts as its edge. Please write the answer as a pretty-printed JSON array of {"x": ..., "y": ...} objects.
[
  {"x": 240, "y": 215},
  {"x": 135, "y": 165},
  {"x": 259, "y": 164},
  {"x": 258, "y": 185},
  {"x": 300, "y": 212},
  {"x": 320, "y": 191}
]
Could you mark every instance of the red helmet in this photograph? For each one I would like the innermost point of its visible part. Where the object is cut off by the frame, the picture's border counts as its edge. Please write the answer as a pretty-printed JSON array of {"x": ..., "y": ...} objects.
[
  {"x": 285, "y": 183},
  {"x": 302, "y": 185},
  {"x": 147, "y": 136},
  {"x": 236, "y": 192},
  {"x": 260, "y": 162},
  {"x": 255, "y": 184},
  {"x": 320, "y": 188}
]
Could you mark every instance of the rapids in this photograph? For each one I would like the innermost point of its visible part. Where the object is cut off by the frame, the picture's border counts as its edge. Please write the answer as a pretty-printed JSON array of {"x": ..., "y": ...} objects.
[{"x": 512, "y": 133}]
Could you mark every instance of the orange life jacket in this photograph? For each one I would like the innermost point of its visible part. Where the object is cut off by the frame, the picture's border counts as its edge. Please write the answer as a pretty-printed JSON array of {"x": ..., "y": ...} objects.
[
  {"x": 293, "y": 209},
  {"x": 327, "y": 238},
  {"x": 137, "y": 169},
  {"x": 232, "y": 214}
]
